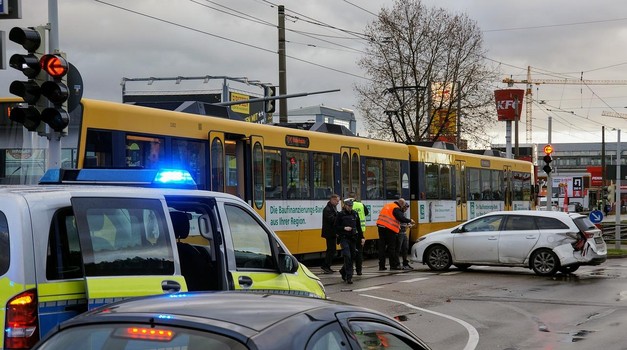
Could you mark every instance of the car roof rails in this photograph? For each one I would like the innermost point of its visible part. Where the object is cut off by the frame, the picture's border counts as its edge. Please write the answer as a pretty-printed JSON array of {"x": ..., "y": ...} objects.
[{"x": 155, "y": 178}]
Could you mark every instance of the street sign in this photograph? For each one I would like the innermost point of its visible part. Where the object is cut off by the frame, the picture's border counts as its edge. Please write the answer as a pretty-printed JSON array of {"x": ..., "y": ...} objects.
[{"x": 596, "y": 216}]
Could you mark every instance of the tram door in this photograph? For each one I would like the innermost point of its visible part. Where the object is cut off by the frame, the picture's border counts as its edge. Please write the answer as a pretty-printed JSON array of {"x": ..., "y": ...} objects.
[
  {"x": 228, "y": 163},
  {"x": 256, "y": 180},
  {"x": 350, "y": 171},
  {"x": 508, "y": 188},
  {"x": 461, "y": 192}
]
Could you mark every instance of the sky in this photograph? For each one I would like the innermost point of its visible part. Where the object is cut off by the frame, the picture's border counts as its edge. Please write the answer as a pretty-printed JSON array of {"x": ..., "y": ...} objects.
[{"x": 107, "y": 40}]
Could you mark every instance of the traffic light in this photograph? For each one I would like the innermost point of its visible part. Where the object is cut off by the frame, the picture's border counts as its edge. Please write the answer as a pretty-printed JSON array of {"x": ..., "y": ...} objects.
[
  {"x": 269, "y": 106},
  {"x": 56, "y": 91},
  {"x": 547, "y": 164},
  {"x": 548, "y": 150},
  {"x": 33, "y": 41}
]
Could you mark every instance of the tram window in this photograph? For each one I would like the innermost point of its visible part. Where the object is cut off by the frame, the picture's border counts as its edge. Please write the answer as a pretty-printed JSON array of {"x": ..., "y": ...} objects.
[
  {"x": 274, "y": 181},
  {"x": 445, "y": 182},
  {"x": 474, "y": 184},
  {"x": 374, "y": 179},
  {"x": 258, "y": 184},
  {"x": 190, "y": 155},
  {"x": 355, "y": 173},
  {"x": 323, "y": 175},
  {"x": 345, "y": 175},
  {"x": 392, "y": 179},
  {"x": 298, "y": 175},
  {"x": 432, "y": 181},
  {"x": 497, "y": 185},
  {"x": 144, "y": 152},
  {"x": 217, "y": 165},
  {"x": 98, "y": 149},
  {"x": 521, "y": 184},
  {"x": 486, "y": 191}
]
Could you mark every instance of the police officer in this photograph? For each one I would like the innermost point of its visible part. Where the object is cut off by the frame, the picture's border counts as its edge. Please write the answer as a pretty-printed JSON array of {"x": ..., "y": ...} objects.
[
  {"x": 349, "y": 232},
  {"x": 389, "y": 225},
  {"x": 362, "y": 211},
  {"x": 328, "y": 231}
]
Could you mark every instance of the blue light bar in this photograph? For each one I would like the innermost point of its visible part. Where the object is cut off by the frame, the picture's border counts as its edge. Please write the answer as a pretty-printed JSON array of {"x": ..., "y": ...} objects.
[{"x": 162, "y": 178}]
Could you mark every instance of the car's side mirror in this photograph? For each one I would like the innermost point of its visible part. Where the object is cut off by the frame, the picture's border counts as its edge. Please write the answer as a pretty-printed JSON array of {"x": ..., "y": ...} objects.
[{"x": 288, "y": 263}]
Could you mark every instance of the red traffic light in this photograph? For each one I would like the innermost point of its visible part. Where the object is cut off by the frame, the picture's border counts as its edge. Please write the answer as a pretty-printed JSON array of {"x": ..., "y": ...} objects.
[{"x": 55, "y": 65}]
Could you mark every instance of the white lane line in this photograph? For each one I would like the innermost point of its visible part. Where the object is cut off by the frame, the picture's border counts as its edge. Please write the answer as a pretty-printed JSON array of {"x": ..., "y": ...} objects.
[
  {"x": 473, "y": 335},
  {"x": 365, "y": 289},
  {"x": 415, "y": 280},
  {"x": 450, "y": 273}
]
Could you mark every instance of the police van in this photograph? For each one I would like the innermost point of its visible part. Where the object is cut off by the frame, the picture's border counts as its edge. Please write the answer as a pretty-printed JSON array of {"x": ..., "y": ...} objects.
[{"x": 67, "y": 248}]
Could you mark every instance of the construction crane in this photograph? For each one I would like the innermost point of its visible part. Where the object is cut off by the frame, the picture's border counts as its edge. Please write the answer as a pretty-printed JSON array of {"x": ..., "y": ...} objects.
[{"x": 529, "y": 98}]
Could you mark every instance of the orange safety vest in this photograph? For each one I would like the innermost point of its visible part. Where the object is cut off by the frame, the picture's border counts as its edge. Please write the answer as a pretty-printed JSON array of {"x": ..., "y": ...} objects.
[{"x": 387, "y": 219}]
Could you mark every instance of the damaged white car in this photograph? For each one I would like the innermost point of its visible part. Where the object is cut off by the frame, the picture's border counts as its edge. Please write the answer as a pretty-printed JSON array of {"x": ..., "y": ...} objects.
[{"x": 544, "y": 241}]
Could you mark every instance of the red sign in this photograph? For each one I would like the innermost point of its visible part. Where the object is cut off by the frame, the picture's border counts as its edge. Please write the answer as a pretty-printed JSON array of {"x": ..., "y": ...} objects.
[
  {"x": 509, "y": 103},
  {"x": 596, "y": 176}
]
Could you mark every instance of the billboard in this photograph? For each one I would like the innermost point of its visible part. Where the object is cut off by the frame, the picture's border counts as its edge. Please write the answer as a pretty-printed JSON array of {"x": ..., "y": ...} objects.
[{"x": 509, "y": 103}]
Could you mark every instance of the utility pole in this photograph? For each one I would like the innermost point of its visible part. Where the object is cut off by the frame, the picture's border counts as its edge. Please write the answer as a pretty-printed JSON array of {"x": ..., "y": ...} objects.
[
  {"x": 617, "y": 192},
  {"x": 282, "y": 67},
  {"x": 549, "y": 179}
]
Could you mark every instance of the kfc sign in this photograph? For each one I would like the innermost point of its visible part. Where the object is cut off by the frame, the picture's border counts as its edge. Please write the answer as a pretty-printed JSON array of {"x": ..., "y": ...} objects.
[{"x": 509, "y": 103}]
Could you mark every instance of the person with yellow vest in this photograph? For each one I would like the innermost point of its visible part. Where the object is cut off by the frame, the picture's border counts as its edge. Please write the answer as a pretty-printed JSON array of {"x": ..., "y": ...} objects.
[
  {"x": 362, "y": 211},
  {"x": 389, "y": 223}
]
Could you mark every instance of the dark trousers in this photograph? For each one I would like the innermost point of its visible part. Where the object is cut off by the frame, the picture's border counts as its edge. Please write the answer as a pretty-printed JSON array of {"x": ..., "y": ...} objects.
[
  {"x": 330, "y": 254},
  {"x": 348, "y": 251},
  {"x": 387, "y": 247},
  {"x": 402, "y": 247},
  {"x": 358, "y": 258}
]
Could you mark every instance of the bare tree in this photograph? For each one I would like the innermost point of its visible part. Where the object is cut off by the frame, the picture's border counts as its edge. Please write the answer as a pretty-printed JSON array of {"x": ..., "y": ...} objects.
[{"x": 424, "y": 65}]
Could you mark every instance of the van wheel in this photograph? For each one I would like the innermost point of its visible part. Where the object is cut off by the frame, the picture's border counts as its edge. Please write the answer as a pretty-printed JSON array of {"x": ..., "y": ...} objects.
[
  {"x": 438, "y": 258},
  {"x": 569, "y": 269},
  {"x": 544, "y": 262}
]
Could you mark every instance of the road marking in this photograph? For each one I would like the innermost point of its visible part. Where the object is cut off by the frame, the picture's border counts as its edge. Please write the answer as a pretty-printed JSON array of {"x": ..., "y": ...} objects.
[
  {"x": 623, "y": 295},
  {"x": 369, "y": 288},
  {"x": 473, "y": 335},
  {"x": 450, "y": 273},
  {"x": 415, "y": 280}
]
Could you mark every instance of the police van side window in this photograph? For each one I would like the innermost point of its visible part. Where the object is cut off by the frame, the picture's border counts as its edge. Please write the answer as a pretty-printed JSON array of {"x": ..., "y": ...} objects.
[
  {"x": 123, "y": 236},
  {"x": 5, "y": 254},
  {"x": 251, "y": 241},
  {"x": 63, "y": 260}
]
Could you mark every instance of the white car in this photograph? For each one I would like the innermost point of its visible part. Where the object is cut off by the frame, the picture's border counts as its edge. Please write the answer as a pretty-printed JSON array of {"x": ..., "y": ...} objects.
[{"x": 544, "y": 241}]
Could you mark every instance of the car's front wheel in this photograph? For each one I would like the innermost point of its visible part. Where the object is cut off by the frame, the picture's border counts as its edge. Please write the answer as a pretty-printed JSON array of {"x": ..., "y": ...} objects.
[
  {"x": 545, "y": 262},
  {"x": 438, "y": 258}
]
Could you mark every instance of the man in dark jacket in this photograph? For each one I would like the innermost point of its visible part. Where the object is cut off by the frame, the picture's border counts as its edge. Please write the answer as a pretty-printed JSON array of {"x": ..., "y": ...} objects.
[
  {"x": 328, "y": 231},
  {"x": 349, "y": 233}
]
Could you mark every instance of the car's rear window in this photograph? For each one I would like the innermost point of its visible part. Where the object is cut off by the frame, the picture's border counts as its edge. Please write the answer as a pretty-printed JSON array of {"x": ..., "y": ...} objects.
[
  {"x": 138, "y": 337},
  {"x": 546, "y": 223},
  {"x": 584, "y": 224}
]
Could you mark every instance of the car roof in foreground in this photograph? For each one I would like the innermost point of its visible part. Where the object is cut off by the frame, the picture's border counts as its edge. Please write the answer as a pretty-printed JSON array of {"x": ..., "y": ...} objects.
[
  {"x": 552, "y": 214},
  {"x": 252, "y": 310}
]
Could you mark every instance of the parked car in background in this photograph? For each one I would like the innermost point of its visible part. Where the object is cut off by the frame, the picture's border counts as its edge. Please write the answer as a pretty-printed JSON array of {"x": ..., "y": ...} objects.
[
  {"x": 230, "y": 320},
  {"x": 545, "y": 241}
]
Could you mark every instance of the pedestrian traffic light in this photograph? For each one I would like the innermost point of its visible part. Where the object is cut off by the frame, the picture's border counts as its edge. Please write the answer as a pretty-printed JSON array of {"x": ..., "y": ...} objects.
[
  {"x": 269, "y": 106},
  {"x": 33, "y": 40},
  {"x": 56, "y": 91}
]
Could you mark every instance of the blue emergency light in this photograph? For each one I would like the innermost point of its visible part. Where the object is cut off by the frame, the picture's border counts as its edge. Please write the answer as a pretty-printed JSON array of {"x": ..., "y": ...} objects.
[{"x": 160, "y": 178}]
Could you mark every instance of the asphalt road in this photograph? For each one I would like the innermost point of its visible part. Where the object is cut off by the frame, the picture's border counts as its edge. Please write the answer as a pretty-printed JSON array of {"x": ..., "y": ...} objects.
[{"x": 497, "y": 308}]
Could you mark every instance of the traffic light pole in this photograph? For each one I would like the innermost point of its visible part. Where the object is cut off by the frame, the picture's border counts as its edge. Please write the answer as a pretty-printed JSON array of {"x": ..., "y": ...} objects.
[
  {"x": 549, "y": 180},
  {"x": 617, "y": 201},
  {"x": 54, "y": 138}
]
